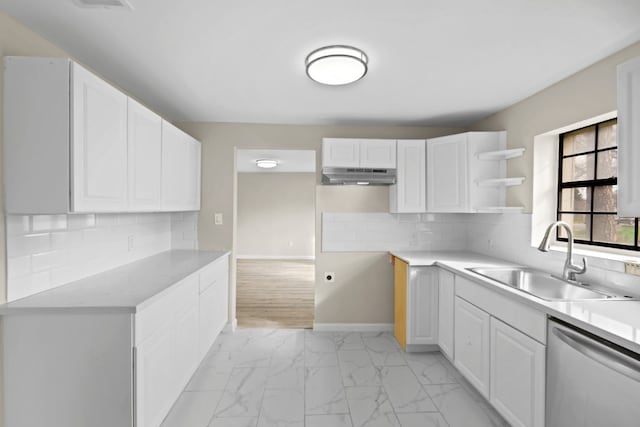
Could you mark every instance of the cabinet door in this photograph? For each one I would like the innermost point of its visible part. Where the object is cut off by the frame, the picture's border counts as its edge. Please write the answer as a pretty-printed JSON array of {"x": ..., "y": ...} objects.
[
  {"x": 471, "y": 341},
  {"x": 446, "y": 301},
  {"x": 214, "y": 311},
  {"x": 400, "y": 302},
  {"x": 447, "y": 174},
  {"x": 378, "y": 153},
  {"x": 187, "y": 351},
  {"x": 517, "y": 376},
  {"x": 98, "y": 145},
  {"x": 409, "y": 194},
  {"x": 145, "y": 158},
  {"x": 340, "y": 153},
  {"x": 180, "y": 170},
  {"x": 155, "y": 378},
  {"x": 628, "y": 136},
  {"x": 422, "y": 317}
]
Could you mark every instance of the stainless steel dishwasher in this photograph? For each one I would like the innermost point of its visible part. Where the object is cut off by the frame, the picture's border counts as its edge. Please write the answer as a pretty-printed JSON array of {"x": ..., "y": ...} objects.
[{"x": 590, "y": 381}]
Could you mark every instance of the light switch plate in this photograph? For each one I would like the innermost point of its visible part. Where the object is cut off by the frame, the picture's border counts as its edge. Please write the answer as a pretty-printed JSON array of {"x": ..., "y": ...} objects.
[{"x": 217, "y": 218}]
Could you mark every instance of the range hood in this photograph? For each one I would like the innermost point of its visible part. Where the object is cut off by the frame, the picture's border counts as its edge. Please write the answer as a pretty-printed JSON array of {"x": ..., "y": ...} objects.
[{"x": 361, "y": 176}]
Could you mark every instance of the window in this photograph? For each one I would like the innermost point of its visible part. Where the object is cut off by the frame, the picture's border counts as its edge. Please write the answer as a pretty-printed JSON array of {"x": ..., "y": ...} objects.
[{"x": 587, "y": 188}]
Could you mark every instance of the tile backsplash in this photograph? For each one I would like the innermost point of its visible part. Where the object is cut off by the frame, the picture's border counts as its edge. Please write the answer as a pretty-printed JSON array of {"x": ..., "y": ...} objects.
[
  {"x": 184, "y": 230},
  {"x": 379, "y": 232},
  {"x": 45, "y": 251},
  {"x": 504, "y": 236},
  {"x": 508, "y": 236}
]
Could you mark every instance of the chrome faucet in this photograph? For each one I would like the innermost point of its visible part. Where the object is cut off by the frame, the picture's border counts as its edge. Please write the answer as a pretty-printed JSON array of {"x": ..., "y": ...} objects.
[{"x": 570, "y": 269}]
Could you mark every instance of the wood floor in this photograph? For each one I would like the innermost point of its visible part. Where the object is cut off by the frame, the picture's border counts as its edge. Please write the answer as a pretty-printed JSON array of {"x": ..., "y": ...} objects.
[{"x": 275, "y": 293}]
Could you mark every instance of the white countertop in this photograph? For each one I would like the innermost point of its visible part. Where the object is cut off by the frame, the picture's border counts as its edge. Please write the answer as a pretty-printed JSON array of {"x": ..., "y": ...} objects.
[
  {"x": 616, "y": 321},
  {"x": 124, "y": 289}
]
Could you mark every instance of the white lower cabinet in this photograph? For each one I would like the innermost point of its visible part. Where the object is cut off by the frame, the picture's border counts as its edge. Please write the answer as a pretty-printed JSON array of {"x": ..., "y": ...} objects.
[
  {"x": 214, "y": 308},
  {"x": 154, "y": 382},
  {"x": 422, "y": 306},
  {"x": 446, "y": 307},
  {"x": 112, "y": 367},
  {"x": 166, "y": 360},
  {"x": 517, "y": 387},
  {"x": 472, "y": 344},
  {"x": 496, "y": 351},
  {"x": 188, "y": 320},
  {"x": 187, "y": 343}
]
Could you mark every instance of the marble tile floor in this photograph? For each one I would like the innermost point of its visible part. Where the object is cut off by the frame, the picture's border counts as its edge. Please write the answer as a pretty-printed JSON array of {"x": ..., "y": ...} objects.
[{"x": 302, "y": 378}]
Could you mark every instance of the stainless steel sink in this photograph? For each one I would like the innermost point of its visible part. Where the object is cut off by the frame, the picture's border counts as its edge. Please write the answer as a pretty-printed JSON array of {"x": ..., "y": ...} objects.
[{"x": 544, "y": 285}]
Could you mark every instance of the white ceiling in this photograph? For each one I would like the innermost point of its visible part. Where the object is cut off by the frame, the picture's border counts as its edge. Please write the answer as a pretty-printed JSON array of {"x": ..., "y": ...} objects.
[
  {"x": 432, "y": 62},
  {"x": 288, "y": 160}
]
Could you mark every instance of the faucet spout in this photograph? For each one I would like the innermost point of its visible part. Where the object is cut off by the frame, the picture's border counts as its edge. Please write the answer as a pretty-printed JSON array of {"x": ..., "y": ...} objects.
[{"x": 570, "y": 269}]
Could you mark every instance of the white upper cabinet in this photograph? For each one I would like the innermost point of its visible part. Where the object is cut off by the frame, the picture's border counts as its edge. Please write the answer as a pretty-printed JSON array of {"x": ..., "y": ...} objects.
[
  {"x": 408, "y": 194},
  {"x": 447, "y": 168},
  {"x": 628, "y": 135},
  {"x": 340, "y": 153},
  {"x": 358, "y": 153},
  {"x": 180, "y": 170},
  {"x": 459, "y": 176},
  {"x": 74, "y": 143},
  {"x": 99, "y": 144},
  {"x": 145, "y": 158},
  {"x": 378, "y": 153}
]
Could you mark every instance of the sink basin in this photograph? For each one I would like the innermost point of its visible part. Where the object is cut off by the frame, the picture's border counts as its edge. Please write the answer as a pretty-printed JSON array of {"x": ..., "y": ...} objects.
[{"x": 544, "y": 285}]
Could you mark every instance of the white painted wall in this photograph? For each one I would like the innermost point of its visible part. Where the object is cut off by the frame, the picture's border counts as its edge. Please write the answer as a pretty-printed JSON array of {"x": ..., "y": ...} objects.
[{"x": 276, "y": 215}]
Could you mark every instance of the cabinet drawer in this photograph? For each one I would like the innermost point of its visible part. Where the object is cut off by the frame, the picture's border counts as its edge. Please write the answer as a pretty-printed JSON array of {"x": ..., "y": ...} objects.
[
  {"x": 518, "y": 315},
  {"x": 177, "y": 299},
  {"x": 216, "y": 271}
]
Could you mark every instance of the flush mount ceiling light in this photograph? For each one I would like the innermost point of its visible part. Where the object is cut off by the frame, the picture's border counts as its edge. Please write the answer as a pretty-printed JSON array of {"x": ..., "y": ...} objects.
[
  {"x": 105, "y": 4},
  {"x": 266, "y": 163},
  {"x": 336, "y": 65}
]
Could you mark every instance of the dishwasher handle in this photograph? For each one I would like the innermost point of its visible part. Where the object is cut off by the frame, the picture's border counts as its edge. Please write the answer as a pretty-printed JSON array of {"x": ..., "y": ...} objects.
[{"x": 600, "y": 353}]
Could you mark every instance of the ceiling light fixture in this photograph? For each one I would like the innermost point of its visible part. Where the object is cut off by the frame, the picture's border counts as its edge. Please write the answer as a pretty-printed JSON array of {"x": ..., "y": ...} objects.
[
  {"x": 266, "y": 163},
  {"x": 106, "y": 4},
  {"x": 336, "y": 65}
]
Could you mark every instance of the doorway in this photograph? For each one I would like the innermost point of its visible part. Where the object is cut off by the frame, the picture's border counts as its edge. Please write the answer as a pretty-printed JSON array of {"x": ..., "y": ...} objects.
[{"x": 275, "y": 246}]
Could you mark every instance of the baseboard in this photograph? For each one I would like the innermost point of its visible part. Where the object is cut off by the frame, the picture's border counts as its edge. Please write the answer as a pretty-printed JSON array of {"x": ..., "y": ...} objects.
[
  {"x": 353, "y": 327},
  {"x": 231, "y": 327},
  {"x": 287, "y": 257},
  {"x": 422, "y": 348}
]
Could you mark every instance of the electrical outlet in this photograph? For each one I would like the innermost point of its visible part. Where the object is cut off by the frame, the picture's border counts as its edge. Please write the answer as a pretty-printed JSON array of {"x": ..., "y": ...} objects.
[
  {"x": 217, "y": 218},
  {"x": 631, "y": 267},
  {"x": 329, "y": 277},
  {"x": 130, "y": 243}
]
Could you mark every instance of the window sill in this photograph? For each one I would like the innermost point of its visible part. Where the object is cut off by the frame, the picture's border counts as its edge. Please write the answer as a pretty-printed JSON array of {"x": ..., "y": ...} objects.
[{"x": 610, "y": 254}]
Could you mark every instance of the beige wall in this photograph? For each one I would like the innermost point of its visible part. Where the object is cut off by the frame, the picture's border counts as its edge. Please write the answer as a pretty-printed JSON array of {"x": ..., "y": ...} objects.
[
  {"x": 362, "y": 292},
  {"x": 276, "y": 214},
  {"x": 586, "y": 94},
  {"x": 15, "y": 40}
]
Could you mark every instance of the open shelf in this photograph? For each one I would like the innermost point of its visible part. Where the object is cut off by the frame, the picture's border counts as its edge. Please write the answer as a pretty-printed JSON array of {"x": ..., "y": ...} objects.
[
  {"x": 501, "y": 154},
  {"x": 500, "y": 209},
  {"x": 500, "y": 182}
]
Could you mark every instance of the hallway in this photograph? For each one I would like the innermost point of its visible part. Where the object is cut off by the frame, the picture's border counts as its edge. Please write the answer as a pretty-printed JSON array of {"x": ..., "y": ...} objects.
[{"x": 275, "y": 293}]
